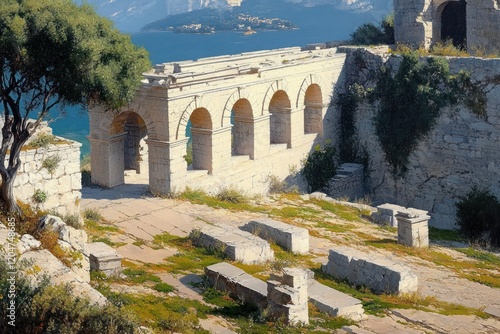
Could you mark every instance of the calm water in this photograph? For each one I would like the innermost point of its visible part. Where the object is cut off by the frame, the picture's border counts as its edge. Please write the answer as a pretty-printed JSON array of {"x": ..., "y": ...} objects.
[{"x": 167, "y": 47}]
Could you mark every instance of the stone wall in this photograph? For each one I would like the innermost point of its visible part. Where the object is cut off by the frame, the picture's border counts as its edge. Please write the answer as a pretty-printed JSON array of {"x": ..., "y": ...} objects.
[
  {"x": 460, "y": 152},
  {"x": 62, "y": 187},
  {"x": 348, "y": 182},
  {"x": 418, "y": 23}
]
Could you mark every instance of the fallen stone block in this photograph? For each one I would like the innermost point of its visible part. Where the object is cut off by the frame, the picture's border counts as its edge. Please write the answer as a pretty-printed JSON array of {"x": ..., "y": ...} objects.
[
  {"x": 386, "y": 214},
  {"x": 292, "y": 238},
  {"x": 333, "y": 302},
  {"x": 237, "y": 283},
  {"x": 104, "y": 258},
  {"x": 380, "y": 274},
  {"x": 238, "y": 245}
]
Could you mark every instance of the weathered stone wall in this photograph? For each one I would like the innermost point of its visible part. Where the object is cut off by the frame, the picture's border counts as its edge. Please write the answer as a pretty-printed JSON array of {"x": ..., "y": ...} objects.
[
  {"x": 62, "y": 187},
  {"x": 483, "y": 20},
  {"x": 348, "y": 182},
  {"x": 461, "y": 150},
  {"x": 418, "y": 23}
]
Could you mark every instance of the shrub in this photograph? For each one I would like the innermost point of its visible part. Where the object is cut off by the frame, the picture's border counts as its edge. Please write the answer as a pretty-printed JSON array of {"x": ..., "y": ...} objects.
[
  {"x": 371, "y": 34},
  {"x": 231, "y": 195},
  {"x": 39, "y": 196},
  {"x": 92, "y": 214},
  {"x": 320, "y": 166},
  {"x": 53, "y": 309},
  {"x": 51, "y": 163},
  {"x": 478, "y": 217}
]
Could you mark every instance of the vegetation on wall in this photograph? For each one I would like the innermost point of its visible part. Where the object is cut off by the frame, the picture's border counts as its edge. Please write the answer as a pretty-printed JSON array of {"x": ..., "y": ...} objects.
[
  {"x": 371, "y": 34},
  {"x": 410, "y": 102},
  {"x": 478, "y": 217},
  {"x": 320, "y": 166}
]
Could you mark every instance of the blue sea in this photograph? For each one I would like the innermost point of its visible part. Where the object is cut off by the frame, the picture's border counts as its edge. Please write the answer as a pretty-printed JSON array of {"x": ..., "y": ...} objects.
[{"x": 167, "y": 46}]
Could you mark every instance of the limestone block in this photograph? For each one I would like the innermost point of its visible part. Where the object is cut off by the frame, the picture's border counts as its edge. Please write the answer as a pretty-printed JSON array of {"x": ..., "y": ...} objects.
[
  {"x": 386, "y": 214},
  {"x": 104, "y": 258},
  {"x": 282, "y": 294},
  {"x": 374, "y": 271},
  {"x": 237, "y": 283},
  {"x": 333, "y": 302},
  {"x": 236, "y": 244},
  {"x": 413, "y": 230},
  {"x": 292, "y": 238}
]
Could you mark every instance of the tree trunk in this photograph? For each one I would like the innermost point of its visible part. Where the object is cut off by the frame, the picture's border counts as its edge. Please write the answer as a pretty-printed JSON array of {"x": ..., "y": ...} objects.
[{"x": 8, "y": 197}]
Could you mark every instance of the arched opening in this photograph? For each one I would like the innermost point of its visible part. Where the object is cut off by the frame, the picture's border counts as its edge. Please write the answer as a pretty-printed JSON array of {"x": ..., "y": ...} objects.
[
  {"x": 134, "y": 152},
  {"x": 242, "y": 132},
  {"x": 313, "y": 110},
  {"x": 454, "y": 23},
  {"x": 200, "y": 142},
  {"x": 280, "y": 120}
]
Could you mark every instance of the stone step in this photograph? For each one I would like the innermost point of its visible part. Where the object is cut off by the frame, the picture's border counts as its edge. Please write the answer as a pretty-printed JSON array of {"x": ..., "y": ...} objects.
[
  {"x": 333, "y": 302},
  {"x": 238, "y": 245},
  {"x": 292, "y": 238}
]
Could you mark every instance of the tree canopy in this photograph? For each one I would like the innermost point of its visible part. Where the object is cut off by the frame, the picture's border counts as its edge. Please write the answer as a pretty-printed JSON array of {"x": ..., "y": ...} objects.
[{"x": 54, "y": 52}]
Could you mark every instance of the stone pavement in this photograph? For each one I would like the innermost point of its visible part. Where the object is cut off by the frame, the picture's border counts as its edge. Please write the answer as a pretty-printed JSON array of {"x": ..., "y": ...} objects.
[{"x": 142, "y": 217}]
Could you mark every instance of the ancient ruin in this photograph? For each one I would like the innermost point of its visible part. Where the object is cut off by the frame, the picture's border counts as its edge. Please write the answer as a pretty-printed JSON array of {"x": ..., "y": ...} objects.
[
  {"x": 244, "y": 117},
  {"x": 471, "y": 24}
]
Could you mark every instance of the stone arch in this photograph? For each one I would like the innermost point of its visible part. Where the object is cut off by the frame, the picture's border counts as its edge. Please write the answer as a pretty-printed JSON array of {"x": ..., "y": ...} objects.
[
  {"x": 308, "y": 81},
  {"x": 239, "y": 94},
  {"x": 201, "y": 139},
  {"x": 273, "y": 88},
  {"x": 185, "y": 116},
  {"x": 106, "y": 127},
  {"x": 242, "y": 132},
  {"x": 280, "y": 121},
  {"x": 450, "y": 22},
  {"x": 313, "y": 109},
  {"x": 130, "y": 129}
]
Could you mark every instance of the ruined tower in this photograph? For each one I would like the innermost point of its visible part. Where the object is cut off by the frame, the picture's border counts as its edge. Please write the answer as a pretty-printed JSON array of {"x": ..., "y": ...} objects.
[{"x": 470, "y": 24}]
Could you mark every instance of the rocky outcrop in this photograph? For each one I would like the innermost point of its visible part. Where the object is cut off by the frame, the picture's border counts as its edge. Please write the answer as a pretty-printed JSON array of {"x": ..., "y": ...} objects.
[{"x": 40, "y": 263}]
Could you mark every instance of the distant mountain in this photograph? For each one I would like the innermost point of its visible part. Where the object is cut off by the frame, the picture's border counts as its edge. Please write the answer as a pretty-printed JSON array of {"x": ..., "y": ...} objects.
[{"x": 132, "y": 15}]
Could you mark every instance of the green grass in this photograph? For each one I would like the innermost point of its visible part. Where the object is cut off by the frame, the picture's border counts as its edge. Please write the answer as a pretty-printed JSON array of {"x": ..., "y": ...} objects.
[
  {"x": 140, "y": 276},
  {"x": 295, "y": 212},
  {"x": 108, "y": 242},
  {"x": 165, "y": 314},
  {"x": 163, "y": 287},
  {"x": 447, "y": 235},
  {"x": 200, "y": 197},
  {"x": 342, "y": 211},
  {"x": 481, "y": 256},
  {"x": 476, "y": 271},
  {"x": 98, "y": 228}
]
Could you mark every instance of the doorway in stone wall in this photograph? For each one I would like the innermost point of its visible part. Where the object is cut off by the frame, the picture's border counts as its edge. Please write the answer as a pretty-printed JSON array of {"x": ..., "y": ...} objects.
[
  {"x": 242, "y": 131},
  {"x": 454, "y": 23},
  {"x": 133, "y": 130},
  {"x": 280, "y": 120},
  {"x": 199, "y": 146}
]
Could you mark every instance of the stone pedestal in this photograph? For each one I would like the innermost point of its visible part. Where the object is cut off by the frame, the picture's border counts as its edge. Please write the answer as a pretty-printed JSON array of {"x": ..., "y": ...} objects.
[
  {"x": 104, "y": 258},
  {"x": 413, "y": 229},
  {"x": 287, "y": 297}
]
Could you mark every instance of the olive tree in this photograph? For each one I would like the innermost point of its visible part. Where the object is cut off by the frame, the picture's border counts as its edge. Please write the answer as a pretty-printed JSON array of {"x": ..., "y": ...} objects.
[{"x": 56, "y": 53}]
